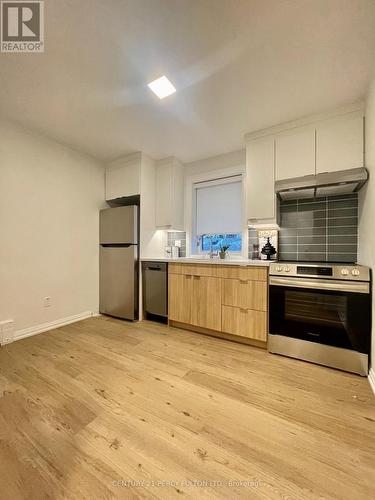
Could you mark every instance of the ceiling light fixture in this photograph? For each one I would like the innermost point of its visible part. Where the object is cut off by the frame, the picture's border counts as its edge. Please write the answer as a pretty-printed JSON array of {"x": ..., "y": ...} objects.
[{"x": 162, "y": 87}]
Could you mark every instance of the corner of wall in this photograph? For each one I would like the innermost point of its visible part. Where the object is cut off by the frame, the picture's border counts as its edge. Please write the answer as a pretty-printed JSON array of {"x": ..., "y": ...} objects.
[{"x": 366, "y": 234}]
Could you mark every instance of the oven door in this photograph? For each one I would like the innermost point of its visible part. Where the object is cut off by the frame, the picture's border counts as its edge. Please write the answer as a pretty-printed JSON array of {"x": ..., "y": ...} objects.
[{"x": 327, "y": 312}]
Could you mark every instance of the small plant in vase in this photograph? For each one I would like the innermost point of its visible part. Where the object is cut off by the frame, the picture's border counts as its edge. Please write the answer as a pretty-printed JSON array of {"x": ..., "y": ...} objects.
[{"x": 223, "y": 251}]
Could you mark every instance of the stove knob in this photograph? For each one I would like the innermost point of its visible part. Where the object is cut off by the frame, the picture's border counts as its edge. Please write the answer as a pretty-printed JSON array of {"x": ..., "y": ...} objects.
[
  {"x": 355, "y": 272},
  {"x": 279, "y": 269},
  {"x": 344, "y": 272},
  {"x": 287, "y": 269}
]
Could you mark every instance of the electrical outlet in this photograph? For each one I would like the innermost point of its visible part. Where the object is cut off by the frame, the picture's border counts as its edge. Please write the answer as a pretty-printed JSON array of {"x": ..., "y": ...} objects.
[
  {"x": 6, "y": 331},
  {"x": 47, "y": 301}
]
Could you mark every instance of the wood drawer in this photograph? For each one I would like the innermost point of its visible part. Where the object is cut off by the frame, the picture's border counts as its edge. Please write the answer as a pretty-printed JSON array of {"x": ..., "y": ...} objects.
[
  {"x": 244, "y": 322},
  {"x": 245, "y": 294},
  {"x": 242, "y": 273},
  {"x": 192, "y": 269}
]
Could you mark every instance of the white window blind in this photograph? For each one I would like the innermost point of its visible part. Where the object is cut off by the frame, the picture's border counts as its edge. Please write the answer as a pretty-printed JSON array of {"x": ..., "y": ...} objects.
[{"x": 219, "y": 206}]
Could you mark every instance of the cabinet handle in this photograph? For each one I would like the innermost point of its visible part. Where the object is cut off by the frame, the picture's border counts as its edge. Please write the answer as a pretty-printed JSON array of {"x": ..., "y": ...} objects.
[
  {"x": 243, "y": 310},
  {"x": 244, "y": 282},
  {"x": 197, "y": 277},
  {"x": 188, "y": 276}
]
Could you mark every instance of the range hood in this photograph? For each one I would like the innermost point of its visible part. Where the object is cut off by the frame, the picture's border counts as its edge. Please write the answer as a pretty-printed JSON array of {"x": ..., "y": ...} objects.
[{"x": 319, "y": 185}]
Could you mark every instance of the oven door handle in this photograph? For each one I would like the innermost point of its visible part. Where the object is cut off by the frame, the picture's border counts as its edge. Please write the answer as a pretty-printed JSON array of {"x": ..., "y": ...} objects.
[{"x": 321, "y": 284}]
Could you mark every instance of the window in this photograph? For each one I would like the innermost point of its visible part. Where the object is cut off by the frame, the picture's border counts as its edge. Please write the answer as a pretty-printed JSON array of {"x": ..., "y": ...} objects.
[
  {"x": 216, "y": 241},
  {"x": 217, "y": 215}
]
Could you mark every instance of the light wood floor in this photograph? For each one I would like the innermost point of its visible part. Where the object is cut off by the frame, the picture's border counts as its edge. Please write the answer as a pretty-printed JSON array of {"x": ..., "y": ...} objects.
[{"x": 107, "y": 409}]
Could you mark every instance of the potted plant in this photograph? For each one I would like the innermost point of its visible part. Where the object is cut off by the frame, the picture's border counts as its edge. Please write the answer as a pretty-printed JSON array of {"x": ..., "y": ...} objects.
[{"x": 223, "y": 251}]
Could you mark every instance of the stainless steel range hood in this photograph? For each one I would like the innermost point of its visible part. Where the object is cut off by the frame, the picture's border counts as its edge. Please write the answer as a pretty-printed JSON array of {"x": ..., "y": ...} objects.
[{"x": 326, "y": 184}]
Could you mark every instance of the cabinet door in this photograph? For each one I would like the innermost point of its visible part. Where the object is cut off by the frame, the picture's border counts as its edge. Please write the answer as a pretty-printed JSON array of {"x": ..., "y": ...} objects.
[
  {"x": 164, "y": 195},
  {"x": 180, "y": 292},
  {"x": 340, "y": 143},
  {"x": 295, "y": 153},
  {"x": 245, "y": 294},
  {"x": 260, "y": 179},
  {"x": 245, "y": 323},
  {"x": 206, "y": 302},
  {"x": 170, "y": 194}
]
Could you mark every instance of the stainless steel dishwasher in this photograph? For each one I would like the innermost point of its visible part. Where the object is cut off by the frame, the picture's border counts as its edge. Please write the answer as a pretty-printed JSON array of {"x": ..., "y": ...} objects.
[{"x": 155, "y": 291}]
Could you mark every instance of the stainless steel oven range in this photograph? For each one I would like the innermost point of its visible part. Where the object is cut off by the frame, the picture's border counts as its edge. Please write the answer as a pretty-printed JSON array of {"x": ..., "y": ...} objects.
[{"x": 321, "y": 313}]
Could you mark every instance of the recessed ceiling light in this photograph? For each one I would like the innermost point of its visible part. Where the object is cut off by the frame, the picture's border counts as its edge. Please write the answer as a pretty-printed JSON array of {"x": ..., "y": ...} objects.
[{"x": 162, "y": 87}]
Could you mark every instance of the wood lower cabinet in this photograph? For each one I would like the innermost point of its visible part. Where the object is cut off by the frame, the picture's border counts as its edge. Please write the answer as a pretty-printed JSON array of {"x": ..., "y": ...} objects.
[
  {"x": 206, "y": 302},
  {"x": 180, "y": 292},
  {"x": 245, "y": 294},
  {"x": 195, "y": 300},
  {"x": 245, "y": 322},
  {"x": 218, "y": 298}
]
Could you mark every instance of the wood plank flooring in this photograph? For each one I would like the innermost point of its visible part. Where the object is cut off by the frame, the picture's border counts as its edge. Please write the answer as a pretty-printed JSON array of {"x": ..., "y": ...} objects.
[{"x": 106, "y": 409}]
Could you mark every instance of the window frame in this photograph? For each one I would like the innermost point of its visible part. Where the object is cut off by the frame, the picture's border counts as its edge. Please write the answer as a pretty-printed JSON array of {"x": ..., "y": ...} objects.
[{"x": 211, "y": 176}]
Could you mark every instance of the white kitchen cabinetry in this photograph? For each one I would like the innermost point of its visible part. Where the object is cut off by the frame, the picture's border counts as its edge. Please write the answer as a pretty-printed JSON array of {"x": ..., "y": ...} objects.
[
  {"x": 295, "y": 153},
  {"x": 123, "y": 177},
  {"x": 340, "y": 143},
  {"x": 260, "y": 180},
  {"x": 169, "y": 194}
]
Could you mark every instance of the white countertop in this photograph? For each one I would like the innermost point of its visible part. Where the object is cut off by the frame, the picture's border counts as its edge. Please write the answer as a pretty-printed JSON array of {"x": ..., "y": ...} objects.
[{"x": 226, "y": 262}]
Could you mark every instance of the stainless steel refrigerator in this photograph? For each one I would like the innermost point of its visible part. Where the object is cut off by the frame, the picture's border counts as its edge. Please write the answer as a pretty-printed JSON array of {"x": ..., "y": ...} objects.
[{"x": 119, "y": 262}]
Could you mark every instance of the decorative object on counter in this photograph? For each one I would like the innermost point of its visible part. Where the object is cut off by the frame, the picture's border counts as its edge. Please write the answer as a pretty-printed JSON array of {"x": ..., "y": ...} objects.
[
  {"x": 168, "y": 252},
  {"x": 255, "y": 252},
  {"x": 268, "y": 243},
  {"x": 175, "y": 252},
  {"x": 268, "y": 250},
  {"x": 223, "y": 251}
]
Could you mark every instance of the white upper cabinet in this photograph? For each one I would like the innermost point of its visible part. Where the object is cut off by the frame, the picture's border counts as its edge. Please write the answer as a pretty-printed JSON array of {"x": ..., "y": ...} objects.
[
  {"x": 170, "y": 194},
  {"x": 123, "y": 177},
  {"x": 295, "y": 153},
  {"x": 340, "y": 143},
  {"x": 260, "y": 179}
]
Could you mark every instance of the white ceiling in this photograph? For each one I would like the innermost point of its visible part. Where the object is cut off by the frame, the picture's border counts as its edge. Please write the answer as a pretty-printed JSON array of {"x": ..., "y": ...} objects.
[{"x": 238, "y": 66}]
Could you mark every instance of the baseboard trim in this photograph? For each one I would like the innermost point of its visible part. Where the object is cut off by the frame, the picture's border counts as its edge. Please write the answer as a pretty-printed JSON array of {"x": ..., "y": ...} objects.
[
  {"x": 371, "y": 379},
  {"x": 51, "y": 325},
  {"x": 221, "y": 335}
]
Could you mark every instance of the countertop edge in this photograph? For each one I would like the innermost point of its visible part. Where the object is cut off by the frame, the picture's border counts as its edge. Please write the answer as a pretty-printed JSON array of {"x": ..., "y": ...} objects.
[{"x": 220, "y": 262}]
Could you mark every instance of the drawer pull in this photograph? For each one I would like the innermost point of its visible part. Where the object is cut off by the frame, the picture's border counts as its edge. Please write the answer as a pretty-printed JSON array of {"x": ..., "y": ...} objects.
[
  {"x": 197, "y": 277},
  {"x": 244, "y": 282},
  {"x": 188, "y": 276},
  {"x": 243, "y": 310}
]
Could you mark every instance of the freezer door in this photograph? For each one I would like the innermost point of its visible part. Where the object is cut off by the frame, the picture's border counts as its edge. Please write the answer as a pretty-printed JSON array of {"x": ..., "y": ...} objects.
[
  {"x": 119, "y": 225},
  {"x": 119, "y": 281}
]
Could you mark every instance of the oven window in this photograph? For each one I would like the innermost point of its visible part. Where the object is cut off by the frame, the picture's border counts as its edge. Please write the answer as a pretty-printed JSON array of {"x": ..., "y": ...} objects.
[
  {"x": 335, "y": 318},
  {"x": 315, "y": 308}
]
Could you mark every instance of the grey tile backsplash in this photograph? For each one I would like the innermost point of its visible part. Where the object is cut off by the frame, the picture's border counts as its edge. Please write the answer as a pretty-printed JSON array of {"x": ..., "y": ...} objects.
[
  {"x": 177, "y": 235},
  {"x": 322, "y": 229}
]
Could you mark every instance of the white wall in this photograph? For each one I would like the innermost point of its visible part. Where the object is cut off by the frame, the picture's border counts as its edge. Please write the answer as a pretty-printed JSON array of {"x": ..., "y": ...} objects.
[
  {"x": 49, "y": 205},
  {"x": 227, "y": 160},
  {"x": 366, "y": 248}
]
